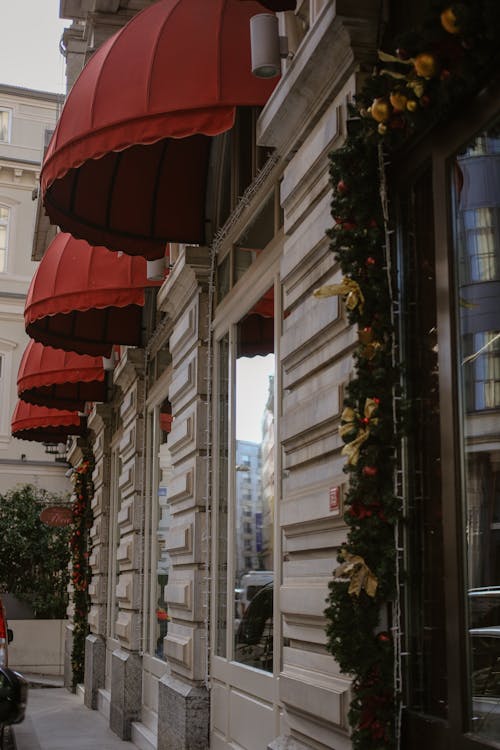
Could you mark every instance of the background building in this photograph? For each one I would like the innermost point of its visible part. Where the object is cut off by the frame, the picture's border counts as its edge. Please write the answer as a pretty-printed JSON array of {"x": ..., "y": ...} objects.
[{"x": 26, "y": 120}]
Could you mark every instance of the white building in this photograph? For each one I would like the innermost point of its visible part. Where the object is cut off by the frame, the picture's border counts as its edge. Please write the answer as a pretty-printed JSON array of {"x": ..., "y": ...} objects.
[{"x": 26, "y": 119}]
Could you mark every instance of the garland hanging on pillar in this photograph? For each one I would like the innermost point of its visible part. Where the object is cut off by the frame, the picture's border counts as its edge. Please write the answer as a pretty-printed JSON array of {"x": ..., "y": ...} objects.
[
  {"x": 80, "y": 569},
  {"x": 430, "y": 71}
]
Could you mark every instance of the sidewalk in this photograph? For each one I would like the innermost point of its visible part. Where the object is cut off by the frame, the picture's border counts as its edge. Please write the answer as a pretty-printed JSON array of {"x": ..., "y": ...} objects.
[{"x": 58, "y": 720}]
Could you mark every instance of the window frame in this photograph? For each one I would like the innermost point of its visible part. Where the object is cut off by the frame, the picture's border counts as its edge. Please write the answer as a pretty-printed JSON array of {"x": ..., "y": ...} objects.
[
  {"x": 9, "y": 112},
  {"x": 6, "y": 223},
  {"x": 440, "y": 146},
  {"x": 262, "y": 274}
]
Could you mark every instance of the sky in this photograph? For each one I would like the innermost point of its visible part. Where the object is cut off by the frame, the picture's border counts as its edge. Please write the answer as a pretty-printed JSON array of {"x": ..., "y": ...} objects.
[
  {"x": 30, "y": 31},
  {"x": 252, "y": 375}
]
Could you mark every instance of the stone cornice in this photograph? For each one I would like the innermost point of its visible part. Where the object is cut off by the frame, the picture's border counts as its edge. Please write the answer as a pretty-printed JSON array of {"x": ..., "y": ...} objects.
[
  {"x": 334, "y": 48},
  {"x": 100, "y": 417},
  {"x": 130, "y": 367},
  {"x": 190, "y": 272}
]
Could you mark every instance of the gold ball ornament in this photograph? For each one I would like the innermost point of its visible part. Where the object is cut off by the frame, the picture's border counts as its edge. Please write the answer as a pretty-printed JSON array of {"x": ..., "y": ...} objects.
[
  {"x": 398, "y": 101},
  {"x": 382, "y": 128},
  {"x": 449, "y": 21},
  {"x": 380, "y": 110},
  {"x": 426, "y": 65},
  {"x": 411, "y": 105}
]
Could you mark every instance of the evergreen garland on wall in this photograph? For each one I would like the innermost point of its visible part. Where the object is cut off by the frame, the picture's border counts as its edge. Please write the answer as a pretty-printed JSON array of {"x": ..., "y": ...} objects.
[
  {"x": 429, "y": 72},
  {"x": 80, "y": 569}
]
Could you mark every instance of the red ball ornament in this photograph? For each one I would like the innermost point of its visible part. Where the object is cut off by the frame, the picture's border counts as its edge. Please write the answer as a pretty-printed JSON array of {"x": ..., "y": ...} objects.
[
  {"x": 370, "y": 261},
  {"x": 342, "y": 187},
  {"x": 370, "y": 471}
]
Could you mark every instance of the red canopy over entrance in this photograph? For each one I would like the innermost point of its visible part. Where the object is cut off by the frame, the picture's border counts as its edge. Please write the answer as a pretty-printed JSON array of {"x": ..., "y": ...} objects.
[
  {"x": 85, "y": 299},
  {"x": 58, "y": 379},
  {"x": 45, "y": 425},
  {"x": 127, "y": 164}
]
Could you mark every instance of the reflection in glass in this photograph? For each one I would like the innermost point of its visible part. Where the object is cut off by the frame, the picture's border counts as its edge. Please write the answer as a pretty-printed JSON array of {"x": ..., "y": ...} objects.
[
  {"x": 159, "y": 426},
  {"x": 476, "y": 200},
  {"x": 163, "y": 524},
  {"x": 4, "y": 218},
  {"x": 425, "y": 631},
  {"x": 254, "y": 487},
  {"x": 4, "y": 125}
]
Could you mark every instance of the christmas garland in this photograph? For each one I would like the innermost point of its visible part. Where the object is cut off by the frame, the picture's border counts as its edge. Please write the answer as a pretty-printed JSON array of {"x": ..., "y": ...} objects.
[
  {"x": 80, "y": 569},
  {"x": 430, "y": 71}
]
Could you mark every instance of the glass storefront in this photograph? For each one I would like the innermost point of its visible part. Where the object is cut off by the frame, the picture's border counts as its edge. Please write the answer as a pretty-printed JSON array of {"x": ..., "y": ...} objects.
[
  {"x": 476, "y": 212},
  {"x": 246, "y": 488}
]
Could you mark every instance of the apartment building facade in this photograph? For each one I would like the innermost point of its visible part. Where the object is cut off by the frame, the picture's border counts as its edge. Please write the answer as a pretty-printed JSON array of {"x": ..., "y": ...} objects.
[{"x": 26, "y": 117}]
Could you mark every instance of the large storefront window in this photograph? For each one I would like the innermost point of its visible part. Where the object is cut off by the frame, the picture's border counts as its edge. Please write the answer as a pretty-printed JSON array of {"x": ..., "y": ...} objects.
[
  {"x": 246, "y": 364},
  {"x": 160, "y": 420},
  {"x": 426, "y": 627},
  {"x": 476, "y": 214}
]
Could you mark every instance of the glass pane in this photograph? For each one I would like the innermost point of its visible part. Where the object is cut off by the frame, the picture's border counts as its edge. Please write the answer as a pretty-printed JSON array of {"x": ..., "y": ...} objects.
[
  {"x": 163, "y": 419},
  {"x": 476, "y": 202},
  {"x": 222, "y": 497},
  {"x": 254, "y": 238},
  {"x": 427, "y": 668},
  {"x": 4, "y": 216},
  {"x": 4, "y": 125},
  {"x": 224, "y": 277},
  {"x": 254, "y": 487}
]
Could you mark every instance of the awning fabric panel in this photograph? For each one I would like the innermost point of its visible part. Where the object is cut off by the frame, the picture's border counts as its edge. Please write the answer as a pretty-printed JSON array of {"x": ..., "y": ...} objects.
[
  {"x": 279, "y": 5},
  {"x": 128, "y": 200},
  {"x": 171, "y": 78},
  {"x": 45, "y": 425},
  {"x": 58, "y": 379},
  {"x": 85, "y": 299}
]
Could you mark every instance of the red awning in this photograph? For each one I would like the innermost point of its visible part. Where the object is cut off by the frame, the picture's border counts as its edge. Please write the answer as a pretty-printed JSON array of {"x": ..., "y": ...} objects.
[
  {"x": 127, "y": 165},
  {"x": 45, "y": 425},
  {"x": 85, "y": 299},
  {"x": 278, "y": 5},
  {"x": 58, "y": 379}
]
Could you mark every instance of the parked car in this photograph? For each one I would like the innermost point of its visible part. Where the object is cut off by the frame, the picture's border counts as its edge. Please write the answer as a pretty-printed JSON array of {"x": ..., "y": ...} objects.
[
  {"x": 13, "y": 686},
  {"x": 6, "y": 636},
  {"x": 254, "y": 637},
  {"x": 251, "y": 584}
]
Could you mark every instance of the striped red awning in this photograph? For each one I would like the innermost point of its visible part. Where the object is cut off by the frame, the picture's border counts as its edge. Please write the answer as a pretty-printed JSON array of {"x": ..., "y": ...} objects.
[
  {"x": 128, "y": 161},
  {"x": 58, "y": 379},
  {"x": 45, "y": 425},
  {"x": 85, "y": 299}
]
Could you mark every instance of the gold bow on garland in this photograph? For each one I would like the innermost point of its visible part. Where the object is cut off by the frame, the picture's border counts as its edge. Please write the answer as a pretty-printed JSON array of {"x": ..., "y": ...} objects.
[
  {"x": 357, "y": 571},
  {"x": 348, "y": 288},
  {"x": 351, "y": 424},
  {"x": 369, "y": 346}
]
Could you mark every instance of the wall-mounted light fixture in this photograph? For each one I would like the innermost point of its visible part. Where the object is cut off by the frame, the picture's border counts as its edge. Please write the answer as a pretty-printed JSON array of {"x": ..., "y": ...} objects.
[
  {"x": 155, "y": 270},
  {"x": 267, "y": 46},
  {"x": 109, "y": 363}
]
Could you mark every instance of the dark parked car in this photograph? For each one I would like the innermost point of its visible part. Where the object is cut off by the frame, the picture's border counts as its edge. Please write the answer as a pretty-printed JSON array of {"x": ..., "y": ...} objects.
[
  {"x": 13, "y": 686},
  {"x": 254, "y": 637}
]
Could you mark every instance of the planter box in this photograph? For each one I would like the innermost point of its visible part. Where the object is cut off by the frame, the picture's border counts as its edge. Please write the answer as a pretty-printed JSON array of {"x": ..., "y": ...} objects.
[{"x": 38, "y": 646}]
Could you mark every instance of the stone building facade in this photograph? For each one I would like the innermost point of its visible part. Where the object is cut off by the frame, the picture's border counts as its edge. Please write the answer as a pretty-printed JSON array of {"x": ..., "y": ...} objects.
[
  {"x": 26, "y": 117},
  {"x": 181, "y": 654}
]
